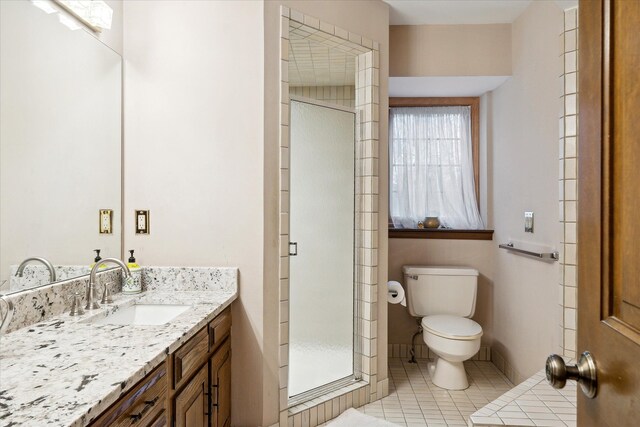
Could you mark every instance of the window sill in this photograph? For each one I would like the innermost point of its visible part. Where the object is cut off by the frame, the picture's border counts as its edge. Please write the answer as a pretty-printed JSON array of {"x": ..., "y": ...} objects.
[{"x": 425, "y": 233}]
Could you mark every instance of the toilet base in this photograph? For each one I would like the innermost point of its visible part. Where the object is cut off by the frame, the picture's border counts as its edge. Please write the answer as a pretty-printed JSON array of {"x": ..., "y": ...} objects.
[{"x": 448, "y": 375}]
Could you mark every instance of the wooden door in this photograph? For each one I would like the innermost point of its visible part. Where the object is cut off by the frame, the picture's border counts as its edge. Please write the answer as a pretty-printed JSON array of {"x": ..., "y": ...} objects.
[
  {"x": 192, "y": 403},
  {"x": 220, "y": 379},
  {"x": 609, "y": 208}
]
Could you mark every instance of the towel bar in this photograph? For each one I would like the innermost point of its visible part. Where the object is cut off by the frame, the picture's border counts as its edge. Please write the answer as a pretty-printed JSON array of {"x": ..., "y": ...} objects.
[{"x": 552, "y": 256}]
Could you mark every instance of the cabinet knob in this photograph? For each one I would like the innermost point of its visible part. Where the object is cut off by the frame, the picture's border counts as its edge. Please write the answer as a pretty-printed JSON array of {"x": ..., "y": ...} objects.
[{"x": 148, "y": 404}]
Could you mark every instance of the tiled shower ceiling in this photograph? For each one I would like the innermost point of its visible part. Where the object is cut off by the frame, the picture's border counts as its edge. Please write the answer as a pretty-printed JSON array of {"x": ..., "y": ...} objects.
[{"x": 315, "y": 59}]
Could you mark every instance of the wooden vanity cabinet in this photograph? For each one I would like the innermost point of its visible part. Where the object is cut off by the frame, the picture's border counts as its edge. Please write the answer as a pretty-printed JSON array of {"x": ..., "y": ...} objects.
[
  {"x": 220, "y": 385},
  {"x": 192, "y": 388},
  {"x": 144, "y": 405},
  {"x": 205, "y": 400},
  {"x": 192, "y": 403}
]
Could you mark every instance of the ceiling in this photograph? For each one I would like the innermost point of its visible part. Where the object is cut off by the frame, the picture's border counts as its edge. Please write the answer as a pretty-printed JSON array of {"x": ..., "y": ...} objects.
[
  {"x": 443, "y": 86},
  {"x": 320, "y": 59},
  {"x": 419, "y": 12}
]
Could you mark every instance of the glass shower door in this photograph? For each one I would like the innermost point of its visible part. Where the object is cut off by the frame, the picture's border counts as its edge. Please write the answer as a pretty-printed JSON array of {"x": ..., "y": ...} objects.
[{"x": 321, "y": 300}]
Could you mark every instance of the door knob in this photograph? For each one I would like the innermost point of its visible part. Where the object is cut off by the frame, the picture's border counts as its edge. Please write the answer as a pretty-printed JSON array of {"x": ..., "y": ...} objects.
[{"x": 584, "y": 372}]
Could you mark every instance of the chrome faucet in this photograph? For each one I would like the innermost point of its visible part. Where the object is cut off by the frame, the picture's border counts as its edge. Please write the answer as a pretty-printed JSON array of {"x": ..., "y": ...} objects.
[
  {"x": 91, "y": 290},
  {"x": 52, "y": 271}
]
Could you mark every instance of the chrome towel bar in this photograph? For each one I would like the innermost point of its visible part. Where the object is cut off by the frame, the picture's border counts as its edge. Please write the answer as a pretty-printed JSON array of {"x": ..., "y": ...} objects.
[{"x": 550, "y": 256}]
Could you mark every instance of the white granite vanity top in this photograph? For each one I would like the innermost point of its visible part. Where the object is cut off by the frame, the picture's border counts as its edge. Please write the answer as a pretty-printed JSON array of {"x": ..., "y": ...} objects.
[{"x": 64, "y": 372}]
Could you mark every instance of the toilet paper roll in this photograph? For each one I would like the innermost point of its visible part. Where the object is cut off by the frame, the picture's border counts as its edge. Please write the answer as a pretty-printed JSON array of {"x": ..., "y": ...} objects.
[{"x": 395, "y": 293}]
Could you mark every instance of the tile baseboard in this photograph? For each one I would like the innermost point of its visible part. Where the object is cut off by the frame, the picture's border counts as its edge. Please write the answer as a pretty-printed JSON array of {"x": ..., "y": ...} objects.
[{"x": 423, "y": 352}]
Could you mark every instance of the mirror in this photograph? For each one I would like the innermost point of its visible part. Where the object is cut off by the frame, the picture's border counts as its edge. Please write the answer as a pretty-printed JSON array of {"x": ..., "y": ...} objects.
[{"x": 60, "y": 146}]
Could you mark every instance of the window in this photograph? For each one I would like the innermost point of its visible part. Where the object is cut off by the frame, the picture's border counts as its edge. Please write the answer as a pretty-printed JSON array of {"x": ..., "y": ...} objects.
[{"x": 433, "y": 155}]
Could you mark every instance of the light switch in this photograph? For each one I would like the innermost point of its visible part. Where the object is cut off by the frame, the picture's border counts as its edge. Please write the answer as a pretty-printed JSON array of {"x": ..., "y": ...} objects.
[
  {"x": 142, "y": 222},
  {"x": 528, "y": 222},
  {"x": 106, "y": 221}
]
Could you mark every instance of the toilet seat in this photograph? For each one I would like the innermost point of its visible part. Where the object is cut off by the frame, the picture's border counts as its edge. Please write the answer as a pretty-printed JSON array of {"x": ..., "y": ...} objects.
[{"x": 452, "y": 327}]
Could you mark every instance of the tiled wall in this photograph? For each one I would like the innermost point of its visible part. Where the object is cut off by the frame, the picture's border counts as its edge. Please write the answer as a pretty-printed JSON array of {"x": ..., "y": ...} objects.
[
  {"x": 339, "y": 95},
  {"x": 366, "y": 250},
  {"x": 568, "y": 181}
]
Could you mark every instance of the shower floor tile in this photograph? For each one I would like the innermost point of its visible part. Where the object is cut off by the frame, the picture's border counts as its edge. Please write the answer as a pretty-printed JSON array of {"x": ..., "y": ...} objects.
[{"x": 415, "y": 401}]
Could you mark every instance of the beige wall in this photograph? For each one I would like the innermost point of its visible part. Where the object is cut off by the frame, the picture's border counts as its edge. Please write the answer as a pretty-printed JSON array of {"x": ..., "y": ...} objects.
[
  {"x": 525, "y": 178},
  {"x": 194, "y": 157},
  {"x": 450, "y": 50},
  {"x": 347, "y": 15}
]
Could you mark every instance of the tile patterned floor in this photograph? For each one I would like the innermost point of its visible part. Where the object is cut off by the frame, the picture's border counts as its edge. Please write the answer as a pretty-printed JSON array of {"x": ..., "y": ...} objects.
[
  {"x": 532, "y": 403},
  {"x": 415, "y": 401}
]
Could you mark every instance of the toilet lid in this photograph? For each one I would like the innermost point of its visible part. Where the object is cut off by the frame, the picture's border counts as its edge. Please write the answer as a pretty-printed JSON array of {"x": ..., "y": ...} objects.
[{"x": 452, "y": 327}]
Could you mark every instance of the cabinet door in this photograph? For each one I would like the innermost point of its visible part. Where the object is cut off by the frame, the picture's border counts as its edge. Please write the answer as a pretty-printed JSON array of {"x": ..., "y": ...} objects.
[
  {"x": 220, "y": 378},
  {"x": 192, "y": 402}
]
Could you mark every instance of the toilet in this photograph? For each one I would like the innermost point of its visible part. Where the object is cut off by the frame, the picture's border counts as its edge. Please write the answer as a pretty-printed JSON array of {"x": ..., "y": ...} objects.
[{"x": 445, "y": 299}]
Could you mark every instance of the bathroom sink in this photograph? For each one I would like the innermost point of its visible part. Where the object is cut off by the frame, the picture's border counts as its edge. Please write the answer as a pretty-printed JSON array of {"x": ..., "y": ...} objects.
[{"x": 141, "y": 314}]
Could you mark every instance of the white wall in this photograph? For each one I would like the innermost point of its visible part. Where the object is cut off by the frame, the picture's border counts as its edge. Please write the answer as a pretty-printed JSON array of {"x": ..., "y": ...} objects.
[
  {"x": 113, "y": 37},
  {"x": 524, "y": 123},
  {"x": 194, "y": 156}
]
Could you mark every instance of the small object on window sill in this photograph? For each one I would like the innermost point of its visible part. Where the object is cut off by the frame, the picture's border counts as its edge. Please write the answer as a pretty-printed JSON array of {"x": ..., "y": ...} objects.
[
  {"x": 431, "y": 222},
  {"x": 420, "y": 224}
]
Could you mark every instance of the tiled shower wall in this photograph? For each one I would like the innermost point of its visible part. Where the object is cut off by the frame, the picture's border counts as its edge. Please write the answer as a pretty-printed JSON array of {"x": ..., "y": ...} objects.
[
  {"x": 366, "y": 251},
  {"x": 339, "y": 95},
  {"x": 568, "y": 181}
]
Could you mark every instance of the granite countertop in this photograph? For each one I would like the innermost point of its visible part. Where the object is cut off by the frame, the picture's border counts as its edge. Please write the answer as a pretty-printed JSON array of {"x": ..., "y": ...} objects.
[{"x": 65, "y": 371}]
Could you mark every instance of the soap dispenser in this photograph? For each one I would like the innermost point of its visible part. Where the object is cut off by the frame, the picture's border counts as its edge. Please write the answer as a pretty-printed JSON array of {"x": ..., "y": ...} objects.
[
  {"x": 133, "y": 283},
  {"x": 97, "y": 259}
]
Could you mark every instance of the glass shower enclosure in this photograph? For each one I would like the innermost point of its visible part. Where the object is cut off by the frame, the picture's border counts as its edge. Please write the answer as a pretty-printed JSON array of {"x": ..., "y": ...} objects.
[{"x": 321, "y": 278}]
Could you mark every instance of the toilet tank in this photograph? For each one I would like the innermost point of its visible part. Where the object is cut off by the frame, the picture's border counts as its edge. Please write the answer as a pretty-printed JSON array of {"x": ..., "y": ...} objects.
[{"x": 440, "y": 290}]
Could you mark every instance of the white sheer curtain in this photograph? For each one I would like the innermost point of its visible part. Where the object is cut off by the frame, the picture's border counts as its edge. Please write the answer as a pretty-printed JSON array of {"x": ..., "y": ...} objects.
[{"x": 431, "y": 165}]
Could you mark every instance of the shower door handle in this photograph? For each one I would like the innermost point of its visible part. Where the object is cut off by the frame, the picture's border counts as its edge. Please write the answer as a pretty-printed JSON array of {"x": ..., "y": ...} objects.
[{"x": 293, "y": 252}]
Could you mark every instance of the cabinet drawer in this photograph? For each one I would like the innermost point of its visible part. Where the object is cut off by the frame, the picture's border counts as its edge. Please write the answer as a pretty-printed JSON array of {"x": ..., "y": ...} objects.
[
  {"x": 141, "y": 406},
  {"x": 219, "y": 329},
  {"x": 190, "y": 357}
]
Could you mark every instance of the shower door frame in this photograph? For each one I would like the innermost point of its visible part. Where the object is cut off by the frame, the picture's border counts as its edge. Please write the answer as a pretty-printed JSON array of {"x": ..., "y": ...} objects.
[
  {"x": 356, "y": 374},
  {"x": 367, "y": 105}
]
